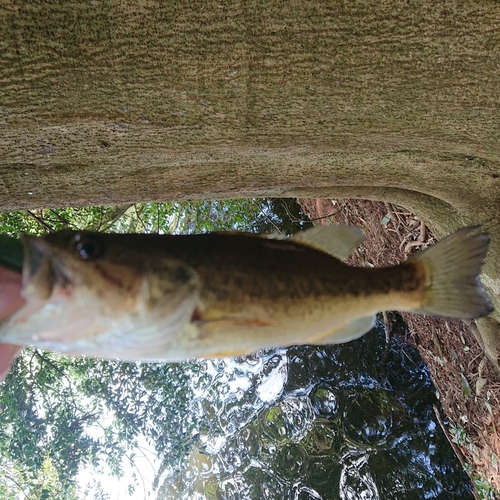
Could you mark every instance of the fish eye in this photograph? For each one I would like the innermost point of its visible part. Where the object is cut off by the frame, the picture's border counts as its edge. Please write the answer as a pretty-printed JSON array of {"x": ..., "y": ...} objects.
[{"x": 87, "y": 249}]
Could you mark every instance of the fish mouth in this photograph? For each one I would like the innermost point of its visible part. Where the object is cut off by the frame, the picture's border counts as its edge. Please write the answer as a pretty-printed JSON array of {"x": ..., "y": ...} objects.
[{"x": 42, "y": 271}]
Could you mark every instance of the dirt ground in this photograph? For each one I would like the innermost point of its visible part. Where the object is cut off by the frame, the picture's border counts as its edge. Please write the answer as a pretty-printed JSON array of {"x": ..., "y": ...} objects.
[{"x": 467, "y": 386}]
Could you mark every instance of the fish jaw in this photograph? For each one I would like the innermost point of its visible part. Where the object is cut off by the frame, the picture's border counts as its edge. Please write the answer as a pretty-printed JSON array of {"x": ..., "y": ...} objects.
[{"x": 77, "y": 324}]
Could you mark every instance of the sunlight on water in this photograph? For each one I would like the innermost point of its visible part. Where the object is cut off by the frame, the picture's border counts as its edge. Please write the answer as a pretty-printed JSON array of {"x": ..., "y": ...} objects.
[
  {"x": 348, "y": 422},
  {"x": 316, "y": 423}
]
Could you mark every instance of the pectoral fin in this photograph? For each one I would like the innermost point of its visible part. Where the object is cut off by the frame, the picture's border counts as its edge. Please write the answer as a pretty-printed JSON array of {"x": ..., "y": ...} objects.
[
  {"x": 223, "y": 324},
  {"x": 223, "y": 334},
  {"x": 168, "y": 284},
  {"x": 347, "y": 331}
]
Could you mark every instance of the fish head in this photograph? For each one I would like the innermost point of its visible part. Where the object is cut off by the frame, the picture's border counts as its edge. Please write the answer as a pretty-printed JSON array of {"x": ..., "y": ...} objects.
[
  {"x": 94, "y": 293},
  {"x": 109, "y": 267},
  {"x": 74, "y": 264}
]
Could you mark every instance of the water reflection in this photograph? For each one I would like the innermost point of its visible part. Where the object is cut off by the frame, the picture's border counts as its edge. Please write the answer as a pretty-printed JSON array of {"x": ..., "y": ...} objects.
[
  {"x": 356, "y": 482},
  {"x": 339, "y": 422}
]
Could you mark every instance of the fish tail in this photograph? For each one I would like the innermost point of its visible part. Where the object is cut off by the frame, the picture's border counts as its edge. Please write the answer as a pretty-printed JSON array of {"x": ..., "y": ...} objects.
[{"x": 452, "y": 269}]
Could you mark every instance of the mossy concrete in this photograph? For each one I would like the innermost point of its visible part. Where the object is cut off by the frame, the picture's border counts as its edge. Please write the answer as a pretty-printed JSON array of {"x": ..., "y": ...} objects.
[{"x": 139, "y": 101}]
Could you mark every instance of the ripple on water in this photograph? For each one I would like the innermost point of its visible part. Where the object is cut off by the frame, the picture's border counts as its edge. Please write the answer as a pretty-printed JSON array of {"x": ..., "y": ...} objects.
[
  {"x": 290, "y": 419},
  {"x": 324, "y": 401},
  {"x": 324, "y": 439},
  {"x": 356, "y": 481},
  {"x": 368, "y": 417},
  {"x": 317, "y": 423}
]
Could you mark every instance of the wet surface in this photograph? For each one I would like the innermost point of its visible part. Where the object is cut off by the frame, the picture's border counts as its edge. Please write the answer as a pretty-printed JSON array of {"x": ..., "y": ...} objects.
[{"x": 341, "y": 422}]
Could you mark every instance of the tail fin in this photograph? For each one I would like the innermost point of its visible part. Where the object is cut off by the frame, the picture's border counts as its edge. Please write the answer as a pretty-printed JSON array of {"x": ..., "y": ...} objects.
[{"x": 452, "y": 269}]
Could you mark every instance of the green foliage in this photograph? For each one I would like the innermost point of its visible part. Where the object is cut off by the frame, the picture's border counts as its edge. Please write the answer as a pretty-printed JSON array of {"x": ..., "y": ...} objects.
[
  {"x": 484, "y": 489},
  {"x": 250, "y": 214},
  {"x": 59, "y": 414}
]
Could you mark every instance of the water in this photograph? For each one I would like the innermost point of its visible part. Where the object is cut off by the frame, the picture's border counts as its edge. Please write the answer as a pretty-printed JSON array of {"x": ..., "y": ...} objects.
[{"x": 340, "y": 422}]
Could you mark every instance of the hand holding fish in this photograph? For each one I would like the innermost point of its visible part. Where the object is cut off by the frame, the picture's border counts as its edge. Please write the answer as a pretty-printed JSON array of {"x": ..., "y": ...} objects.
[
  {"x": 169, "y": 298},
  {"x": 10, "y": 302}
]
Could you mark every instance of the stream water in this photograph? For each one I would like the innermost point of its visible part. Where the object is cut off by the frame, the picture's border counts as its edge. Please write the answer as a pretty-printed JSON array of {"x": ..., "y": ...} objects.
[{"x": 347, "y": 422}]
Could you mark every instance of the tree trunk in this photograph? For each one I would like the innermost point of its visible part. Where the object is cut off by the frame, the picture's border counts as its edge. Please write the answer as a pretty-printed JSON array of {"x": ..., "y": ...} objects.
[{"x": 144, "y": 101}]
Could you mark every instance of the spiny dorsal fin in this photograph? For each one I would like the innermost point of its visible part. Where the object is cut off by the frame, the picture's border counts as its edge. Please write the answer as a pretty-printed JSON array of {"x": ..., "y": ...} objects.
[{"x": 336, "y": 240}]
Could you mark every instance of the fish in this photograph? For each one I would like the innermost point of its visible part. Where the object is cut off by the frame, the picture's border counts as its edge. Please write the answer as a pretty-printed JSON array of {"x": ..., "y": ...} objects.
[{"x": 150, "y": 297}]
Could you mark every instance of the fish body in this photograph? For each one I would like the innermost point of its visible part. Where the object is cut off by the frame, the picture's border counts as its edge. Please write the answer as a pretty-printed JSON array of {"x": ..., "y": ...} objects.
[{"x": 170, "y": 298}]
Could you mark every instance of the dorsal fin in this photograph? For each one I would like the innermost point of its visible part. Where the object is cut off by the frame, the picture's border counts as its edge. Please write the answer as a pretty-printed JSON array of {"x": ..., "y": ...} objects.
[{"x": 336, "y": 240}]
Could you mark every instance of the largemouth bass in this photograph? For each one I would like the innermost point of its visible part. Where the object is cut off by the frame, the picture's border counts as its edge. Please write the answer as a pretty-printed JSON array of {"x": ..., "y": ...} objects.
[{"x": 163, "y": 297}]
